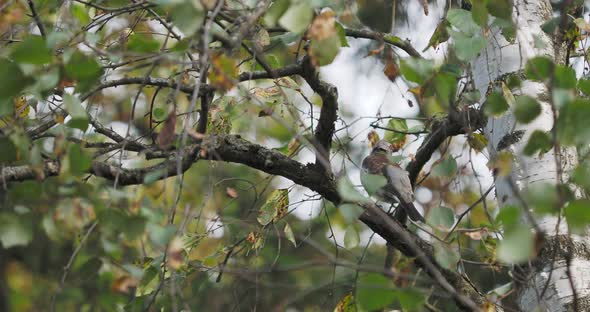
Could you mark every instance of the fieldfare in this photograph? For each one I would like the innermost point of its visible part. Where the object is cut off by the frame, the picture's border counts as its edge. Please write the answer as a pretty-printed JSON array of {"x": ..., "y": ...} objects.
[{"x": 398, "y": 187}]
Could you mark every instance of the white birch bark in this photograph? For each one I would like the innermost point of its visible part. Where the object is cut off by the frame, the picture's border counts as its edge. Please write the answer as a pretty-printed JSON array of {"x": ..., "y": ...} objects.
[{"x": 501, "y": 58}]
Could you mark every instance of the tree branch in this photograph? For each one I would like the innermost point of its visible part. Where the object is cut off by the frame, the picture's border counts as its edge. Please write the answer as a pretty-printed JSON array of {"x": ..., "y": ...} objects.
[
  {"x": 395, "y": 41},
  {"x": 36, "y": 18},
  {"x": 204, "y": 113},
  {"x": 148, "y": 81},
  {"x": 324, "y": 131},
  {"x": 455, "y": 124},
  {"x": 289, "y": 70},
  {"x": 387, "y": 38}
]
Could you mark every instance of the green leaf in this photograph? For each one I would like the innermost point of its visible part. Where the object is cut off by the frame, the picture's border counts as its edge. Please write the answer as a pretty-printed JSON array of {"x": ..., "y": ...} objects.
[
  {"x": 373, "y": 291},
  {"x": 508, "y": 28},
  {"x": 410, "y": 299},
  {"x": 372, "y": 182},
  {"x": 12, "y": 78},
  {"x": 565, "y": 77},
  {"x": 79, "y": 162},
  {"x": 161, "y": 235},
  {"x": 441, "y": 218},
  {"x": 79, "y": 115},
  {"x": 46, "y": 81},
  {"x": 342, "y": 35},
  {"x": 539, "y": 68},
  {"x": 584, "y": 86},
  {"x": 572, "y": 123},
  {"x": 160, "y": 114},
  {"x": 27, "y": 192},
  {"x": 439, "y": 35},
  {"x": 509, "y": 217},
  {"x": 351, "y": 237},
  {"x": 8, "y": 150},
  {"x": 350, "y": 212},
  {"x": 538, "y": 141},
  {"x": 89, "y": 270},
  {"x": 495, "y": 104},
  {"x": 447, "y": 167},
  {"x": 577, "y": 214},
  {"x": 112, "y": 220},
  {"x": 550, "y": 26},
  {"x": 477, "y": 141},
  {"x": 80, "y": 13},
  {"x": 298, "y": 17},
  {"x": 289, "y": 234},
  {"x": 500, "y": 8},
  {"x": 276, "y": 10},
  {"x": 187, "y": 17},
  {"x": 517, "y": 246},
  {"x": 463, "y": 21},
  {"x": 479, "y": 12},
  {"x": 33, "y": 50},
  {"x": 142, "y": 43},
  {"x": 84, "y": 69},
  {"x": 154, "y": 176},
  {"x": 275, "y": 207},
  {"x": 562, "y": 97},
  {"x": 15, "y": 230},
  {"x": 526, "y": 109},
  {"x": 348, "y": 192},
  {"x": 581, "y": 175},
  {"x": 446, "y": 86},
  {"x": 396, "y": 124},
  {"x": 446, "y": 256},
  {"x": 134, "y": 227},
  {"x": 324, "y": 51},
  {"x": 416, "y": 70},
  {"x": 467, "y": 48},
  {"x": 513, "y": 81},
  {"x": 542, "y": 197}
]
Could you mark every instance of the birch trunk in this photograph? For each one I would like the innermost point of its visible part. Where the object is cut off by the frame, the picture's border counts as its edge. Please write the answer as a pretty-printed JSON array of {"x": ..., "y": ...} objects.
[{"x": 498, "y": 59}]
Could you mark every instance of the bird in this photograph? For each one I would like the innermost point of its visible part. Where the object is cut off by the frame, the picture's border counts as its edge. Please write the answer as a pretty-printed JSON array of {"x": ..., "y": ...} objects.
[{"x": 398, "y": 187}]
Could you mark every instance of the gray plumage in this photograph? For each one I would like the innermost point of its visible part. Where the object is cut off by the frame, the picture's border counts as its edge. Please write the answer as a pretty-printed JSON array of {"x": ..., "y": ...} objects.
[{"x": 398, "y": 187}]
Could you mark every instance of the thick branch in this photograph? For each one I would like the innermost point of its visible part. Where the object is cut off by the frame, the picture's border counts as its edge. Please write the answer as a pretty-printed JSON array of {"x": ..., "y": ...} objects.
[
  {"x": 455, "y": 124},
  {"x": 167, "y": 168},
  {"x": 328, "y": 114}
]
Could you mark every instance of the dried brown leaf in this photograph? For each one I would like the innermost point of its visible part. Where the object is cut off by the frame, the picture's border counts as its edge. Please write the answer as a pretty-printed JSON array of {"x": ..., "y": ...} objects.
[{"x": 166, "y": 136}]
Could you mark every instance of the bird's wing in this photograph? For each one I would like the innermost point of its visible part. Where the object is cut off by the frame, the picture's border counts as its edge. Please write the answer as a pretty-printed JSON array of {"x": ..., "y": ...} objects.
[{"x": 400, "y": 181}]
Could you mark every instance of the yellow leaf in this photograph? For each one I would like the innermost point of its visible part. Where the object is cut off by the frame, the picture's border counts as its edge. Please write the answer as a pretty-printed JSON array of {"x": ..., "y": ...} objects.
[
  {"x": 21, "y": 108},
  {"x": 59, "y": 118}
]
